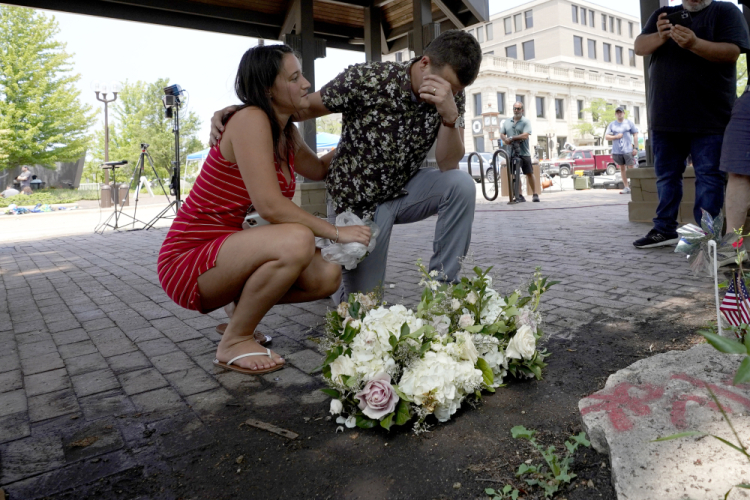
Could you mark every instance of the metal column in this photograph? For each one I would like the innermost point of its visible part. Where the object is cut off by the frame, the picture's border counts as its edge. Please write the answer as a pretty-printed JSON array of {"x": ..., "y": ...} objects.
[
  {"x": 373, "y": 48},
  {"x": 306, "y": 30}
]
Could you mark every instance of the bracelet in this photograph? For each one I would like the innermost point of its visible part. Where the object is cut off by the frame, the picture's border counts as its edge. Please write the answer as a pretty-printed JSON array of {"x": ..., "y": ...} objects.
[{"x": 337, "y": 234}]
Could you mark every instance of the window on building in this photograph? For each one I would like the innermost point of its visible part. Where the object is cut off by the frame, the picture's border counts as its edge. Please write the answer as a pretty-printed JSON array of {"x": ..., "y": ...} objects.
[
  {"x": 399, "y": 57},
  {"x": 604, "y": 22},
  {"x": 479, "y": 144},
  {"x": 528, "y": 50},
  {"x": 477, "y": 104},
  {"x": 518, "y": 21},
  {"x": 583, "y": 16},
  {"x": 607, "y": 52},
  {"x": 637, "y": 114},
  {"x": 511, "y": 52},
  {"x": 630, "y": 29},
  {"x": 480, "y": 35},
  {"x": 521, "y": 99},
  {"x": 508, "y": 25},
  {"x": 575, "y": 13},
  {"x": 591, "y": 18},
  {"x": 580, "y": 109},
  {"x": 578, "y": 45},
  {"x": 619, "y": 26},
  {"x": 471, "y": 32},
  {"x": 631, "y": 57},
  {"x": 501, "y": 103},
  {"x": 618, "y": 55},
  {"x": 540, "y": 107},
  {"x": 611, "y": 24},
  {"x": 529, "y": 15},
  {"x": 490, "y": 53},
  {"x": 489, "y": 32},
  {"x": 560, "y": 109},
  {"x": 592, "y": 49}
]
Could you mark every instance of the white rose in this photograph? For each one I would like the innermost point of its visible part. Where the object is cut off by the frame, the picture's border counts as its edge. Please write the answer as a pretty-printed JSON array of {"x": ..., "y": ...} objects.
[
  {"x": 441, "y": 324},
  {"x": 472, "y": 298},
  {"x": 343, "y": 365},
  {"x": 336, "y": 406},
  {"x": 465, "y": 320},
  {"x": 522, "y": 345},
  {"x": 455, "y": 304}
]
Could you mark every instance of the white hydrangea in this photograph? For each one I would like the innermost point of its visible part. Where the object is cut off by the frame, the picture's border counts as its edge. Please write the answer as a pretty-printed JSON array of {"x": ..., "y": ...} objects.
[
  {"x": 343, "y": 365},
  {"x": 385, "y": 321},
  {"x": 442, "y": 380},
  {"x": 492, "y": 309},
  {"x": 455, "y": 304},
  {"x": 441, "y": 324},
  {"x": 530, "y": 318},
  {"x": 498, "y": 362},
  {"x": 472, "y": 298},
  {"x": 466, "y": 348}
]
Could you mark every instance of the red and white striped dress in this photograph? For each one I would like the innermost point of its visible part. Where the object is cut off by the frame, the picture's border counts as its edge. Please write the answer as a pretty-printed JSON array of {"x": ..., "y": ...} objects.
[{"x": 213, "y": 211}]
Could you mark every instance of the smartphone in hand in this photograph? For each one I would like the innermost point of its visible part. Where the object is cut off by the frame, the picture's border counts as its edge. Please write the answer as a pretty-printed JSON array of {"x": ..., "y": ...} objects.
[{"x": 681, "y": 17}]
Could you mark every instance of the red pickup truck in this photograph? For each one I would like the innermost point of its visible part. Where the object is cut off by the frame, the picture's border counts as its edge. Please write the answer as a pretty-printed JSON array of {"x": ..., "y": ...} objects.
[{"x": 599, "y": 160}]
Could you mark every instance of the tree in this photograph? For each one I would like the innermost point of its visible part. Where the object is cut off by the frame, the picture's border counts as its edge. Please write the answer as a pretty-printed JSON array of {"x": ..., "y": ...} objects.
[
  {"x": 40, "y": 111},
  {"x": 330, "y": 124},
  {"x": 137, "y": 117},
  {"x": 741, "y": 74},
  {"x": 602, "y": 113}
]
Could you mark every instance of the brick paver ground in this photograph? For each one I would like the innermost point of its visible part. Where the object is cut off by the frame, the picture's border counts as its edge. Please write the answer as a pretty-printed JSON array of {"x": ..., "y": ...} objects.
[{"x": 92, "y": 346}]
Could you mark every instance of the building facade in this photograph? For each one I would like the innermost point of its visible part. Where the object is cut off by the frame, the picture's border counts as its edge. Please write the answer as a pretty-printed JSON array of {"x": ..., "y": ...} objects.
[{"x": 555, "y": 56}]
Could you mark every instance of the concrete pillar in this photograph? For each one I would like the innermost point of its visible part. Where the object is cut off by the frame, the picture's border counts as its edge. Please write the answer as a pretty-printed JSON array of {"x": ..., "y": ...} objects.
[
  {"x": 373, "y": 37},
  {"x": 306, "y": 30},
  {"x": 422, "y": 16}
]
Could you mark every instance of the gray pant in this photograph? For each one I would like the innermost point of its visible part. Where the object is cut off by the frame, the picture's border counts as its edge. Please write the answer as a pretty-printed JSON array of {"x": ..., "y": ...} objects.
[{"x": 451, "y": 195}]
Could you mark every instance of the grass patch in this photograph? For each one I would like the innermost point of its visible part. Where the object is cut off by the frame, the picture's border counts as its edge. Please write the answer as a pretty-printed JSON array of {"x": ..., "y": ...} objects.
[{"x": 49, "y": 197}]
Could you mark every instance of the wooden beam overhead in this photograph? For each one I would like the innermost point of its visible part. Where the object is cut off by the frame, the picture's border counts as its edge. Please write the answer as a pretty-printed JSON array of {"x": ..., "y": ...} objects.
[
  {"x": 291, "y": 18},
  {"x": 450, "y": 8}
]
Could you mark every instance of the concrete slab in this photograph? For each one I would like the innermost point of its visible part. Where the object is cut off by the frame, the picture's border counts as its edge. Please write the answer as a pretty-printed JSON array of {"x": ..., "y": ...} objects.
[{"x": 664, "y": 395}]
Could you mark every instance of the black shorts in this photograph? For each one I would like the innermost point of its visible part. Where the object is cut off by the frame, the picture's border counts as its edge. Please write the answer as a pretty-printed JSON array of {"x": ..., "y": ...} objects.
[{"x": 526, "y": 167}]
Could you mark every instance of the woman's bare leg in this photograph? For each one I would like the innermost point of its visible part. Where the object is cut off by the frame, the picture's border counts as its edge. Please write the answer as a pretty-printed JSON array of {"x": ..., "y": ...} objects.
[{"x": 259, "y": 265}]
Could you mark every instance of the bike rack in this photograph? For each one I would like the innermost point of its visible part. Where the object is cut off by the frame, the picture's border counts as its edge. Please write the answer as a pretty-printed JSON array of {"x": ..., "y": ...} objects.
[{"x": 481, "y": 172}]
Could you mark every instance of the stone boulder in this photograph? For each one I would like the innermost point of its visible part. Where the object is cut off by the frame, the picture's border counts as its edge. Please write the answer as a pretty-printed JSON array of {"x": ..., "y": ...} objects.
[{"x": 663, "y": 395}]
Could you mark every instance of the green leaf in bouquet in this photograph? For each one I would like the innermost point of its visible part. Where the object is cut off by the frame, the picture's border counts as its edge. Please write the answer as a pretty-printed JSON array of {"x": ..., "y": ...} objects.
[
  {"x": 478, "y": 394},
  {"x": 524, "y": 301},
  {"x": 405, "y": 330},
  {"x": 511, "y": 311},
  {"x": 474, "y": 328},
  {"x": 332, "y": 355},
  {"x": 537, "y": 371},
  {"x": 478, "y": 270},
  {"x": 519, "y": 431},
  {"x": 551, "y": 283},
  {"x": 393, "y": 341},
  {"x": 425, "y": 347},
  {"x": 350, "y": 381},
  {"x": 331, "y": 392},
  {"x": 326, "y": 371},
  {"x": 487, "y": 375},
  {"x": 400, "y": 394},
  {"x": 387, "y": 421},
  {"x": 724, "y": 344},
  {"x": 354, "y": 310},
  {"x": 743, "y": 373},
  {"x": 365, "y": 423},
  {"x": 512, "y": 299},
  {"x": 403, "y": 414},
  {"x": 416, "y": 333},
  {"x": 349, "y": 334}
]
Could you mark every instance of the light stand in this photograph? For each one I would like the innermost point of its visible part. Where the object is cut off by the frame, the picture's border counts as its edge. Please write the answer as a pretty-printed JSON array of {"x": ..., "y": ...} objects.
[
  {"x": 136, "y": 179},
  {"x": 172, "y": 103},
  {"x": 114, "y": 165}
]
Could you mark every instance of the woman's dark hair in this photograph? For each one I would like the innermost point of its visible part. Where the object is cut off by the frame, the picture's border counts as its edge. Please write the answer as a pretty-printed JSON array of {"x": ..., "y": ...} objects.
[
  {"x": 460, "y": 51},
  {"x": 256, "y": 74}
]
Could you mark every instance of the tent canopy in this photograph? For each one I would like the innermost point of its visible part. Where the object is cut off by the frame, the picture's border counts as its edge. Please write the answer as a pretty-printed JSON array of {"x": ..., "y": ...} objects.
[
  {"x": 326, "y": 140},
  {"x": 199, "y": 155}
]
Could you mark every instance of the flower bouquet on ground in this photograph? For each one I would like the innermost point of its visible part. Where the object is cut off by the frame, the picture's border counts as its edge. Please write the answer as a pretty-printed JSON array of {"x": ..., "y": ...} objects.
[{"x": 389, "y": 365}]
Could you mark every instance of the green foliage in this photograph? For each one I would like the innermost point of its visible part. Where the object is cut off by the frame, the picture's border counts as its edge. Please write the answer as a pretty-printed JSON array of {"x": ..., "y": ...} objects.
[
  {"x": 507, "y": 493},
  {"x": 741, "y": 74},
  {"x": 602, "y": 113},
  {"x": 42, "y": 120},
  {"x": 138, "y": 116},
  {"x": 556, "y": 473},
  {"x": 49, "y": 197}
]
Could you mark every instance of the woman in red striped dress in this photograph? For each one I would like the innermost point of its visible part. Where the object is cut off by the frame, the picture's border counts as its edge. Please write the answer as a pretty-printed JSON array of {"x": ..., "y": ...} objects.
[{"x": 207, "y": 261}]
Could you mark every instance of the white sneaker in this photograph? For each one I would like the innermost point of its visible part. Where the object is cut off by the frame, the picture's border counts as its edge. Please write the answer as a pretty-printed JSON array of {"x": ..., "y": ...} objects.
[{"x": 625, "y": 191}]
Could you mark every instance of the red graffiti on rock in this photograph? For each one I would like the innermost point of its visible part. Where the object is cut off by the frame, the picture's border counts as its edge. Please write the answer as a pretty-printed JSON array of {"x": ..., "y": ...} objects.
[{"x": 620, "y": 400}]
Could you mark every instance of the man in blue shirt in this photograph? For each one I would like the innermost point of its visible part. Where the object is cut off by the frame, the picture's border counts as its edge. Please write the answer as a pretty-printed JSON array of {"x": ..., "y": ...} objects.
[
  {"x": 624, "y": 137},
  {"x": 517, "y": 130},
  {"x": 692, "y": 87}
]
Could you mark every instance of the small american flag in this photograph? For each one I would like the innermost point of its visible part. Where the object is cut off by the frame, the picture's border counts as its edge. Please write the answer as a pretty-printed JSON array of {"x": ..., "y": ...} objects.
[{"x": 736, "y": 303}]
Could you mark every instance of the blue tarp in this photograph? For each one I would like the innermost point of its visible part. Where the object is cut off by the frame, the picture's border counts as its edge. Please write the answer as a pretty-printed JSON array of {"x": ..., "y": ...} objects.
[
  {"x": 327, "y": 141},
  {"x": 199, "y": 155}
]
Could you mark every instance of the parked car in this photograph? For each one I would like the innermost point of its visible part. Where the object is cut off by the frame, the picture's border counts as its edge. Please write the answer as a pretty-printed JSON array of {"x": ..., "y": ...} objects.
[
  {"x": 597, "y": 159},
  {"x": 641, "y": 158},
  {"x": 489, "y": 172}
]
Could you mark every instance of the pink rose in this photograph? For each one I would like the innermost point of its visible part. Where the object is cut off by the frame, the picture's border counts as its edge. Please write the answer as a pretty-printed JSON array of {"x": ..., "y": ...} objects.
[{"x": 378, "y": 398}]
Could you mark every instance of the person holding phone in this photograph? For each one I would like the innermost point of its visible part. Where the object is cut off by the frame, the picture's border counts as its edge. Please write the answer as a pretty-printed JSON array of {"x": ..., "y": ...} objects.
[
  {"x": 692, "y": 87},
  {"x": 207, "y": 261}
]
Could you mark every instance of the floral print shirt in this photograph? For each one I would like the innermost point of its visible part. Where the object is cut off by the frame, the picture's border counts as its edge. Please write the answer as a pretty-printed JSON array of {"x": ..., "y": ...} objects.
[{"x": 386, "y": 133}]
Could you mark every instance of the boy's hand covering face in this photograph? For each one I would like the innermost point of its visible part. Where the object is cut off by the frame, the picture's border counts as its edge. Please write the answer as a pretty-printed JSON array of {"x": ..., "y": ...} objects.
[{"x": 438, "y": 92}]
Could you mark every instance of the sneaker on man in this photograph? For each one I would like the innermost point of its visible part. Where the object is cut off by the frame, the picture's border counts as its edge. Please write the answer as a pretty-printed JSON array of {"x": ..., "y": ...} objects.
[
  {"x": 535, "y": 198},
  {"x": 656, "y": 239},
  {"x": 626, "y": 190},
  {"x": 520, "y": 198}
]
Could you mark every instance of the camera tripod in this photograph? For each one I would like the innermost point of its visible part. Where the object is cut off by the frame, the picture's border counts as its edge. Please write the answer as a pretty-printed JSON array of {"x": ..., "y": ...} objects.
[
  {"x": 116, "y": 214},
  {"x": 135, "y": 181}
]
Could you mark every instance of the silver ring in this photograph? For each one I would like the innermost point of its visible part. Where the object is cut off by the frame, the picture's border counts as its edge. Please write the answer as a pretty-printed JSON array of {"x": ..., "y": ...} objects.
[{"x": 434, "y": 91}]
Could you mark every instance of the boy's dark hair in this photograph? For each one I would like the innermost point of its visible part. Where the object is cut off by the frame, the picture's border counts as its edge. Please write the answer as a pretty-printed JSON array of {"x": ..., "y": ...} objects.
[{"x": 460, "y": 51}]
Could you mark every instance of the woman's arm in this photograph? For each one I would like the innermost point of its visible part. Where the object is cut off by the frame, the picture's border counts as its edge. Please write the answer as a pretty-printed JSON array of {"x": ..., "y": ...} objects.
[
  {"x": 248, "y": 142},
  {"x": 307, "y": 163}
]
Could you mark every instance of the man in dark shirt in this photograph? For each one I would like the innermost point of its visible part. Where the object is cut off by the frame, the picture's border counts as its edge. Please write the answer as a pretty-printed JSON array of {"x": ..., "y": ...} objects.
[
  {"x": 692, "y": 86},
  {"x": 392, "y": 115}
]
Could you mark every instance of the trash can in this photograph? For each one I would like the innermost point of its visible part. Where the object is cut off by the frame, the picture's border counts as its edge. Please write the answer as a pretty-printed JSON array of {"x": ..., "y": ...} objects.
[
  {"x": 36, "y": 184},
  {"x": 580, "y": 182},
  {"x": 123, "y": 199}
]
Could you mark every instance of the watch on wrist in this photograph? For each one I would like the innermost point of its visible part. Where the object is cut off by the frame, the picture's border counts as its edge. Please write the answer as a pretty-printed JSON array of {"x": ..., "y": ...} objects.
[{"x": 458, "y": 123}]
